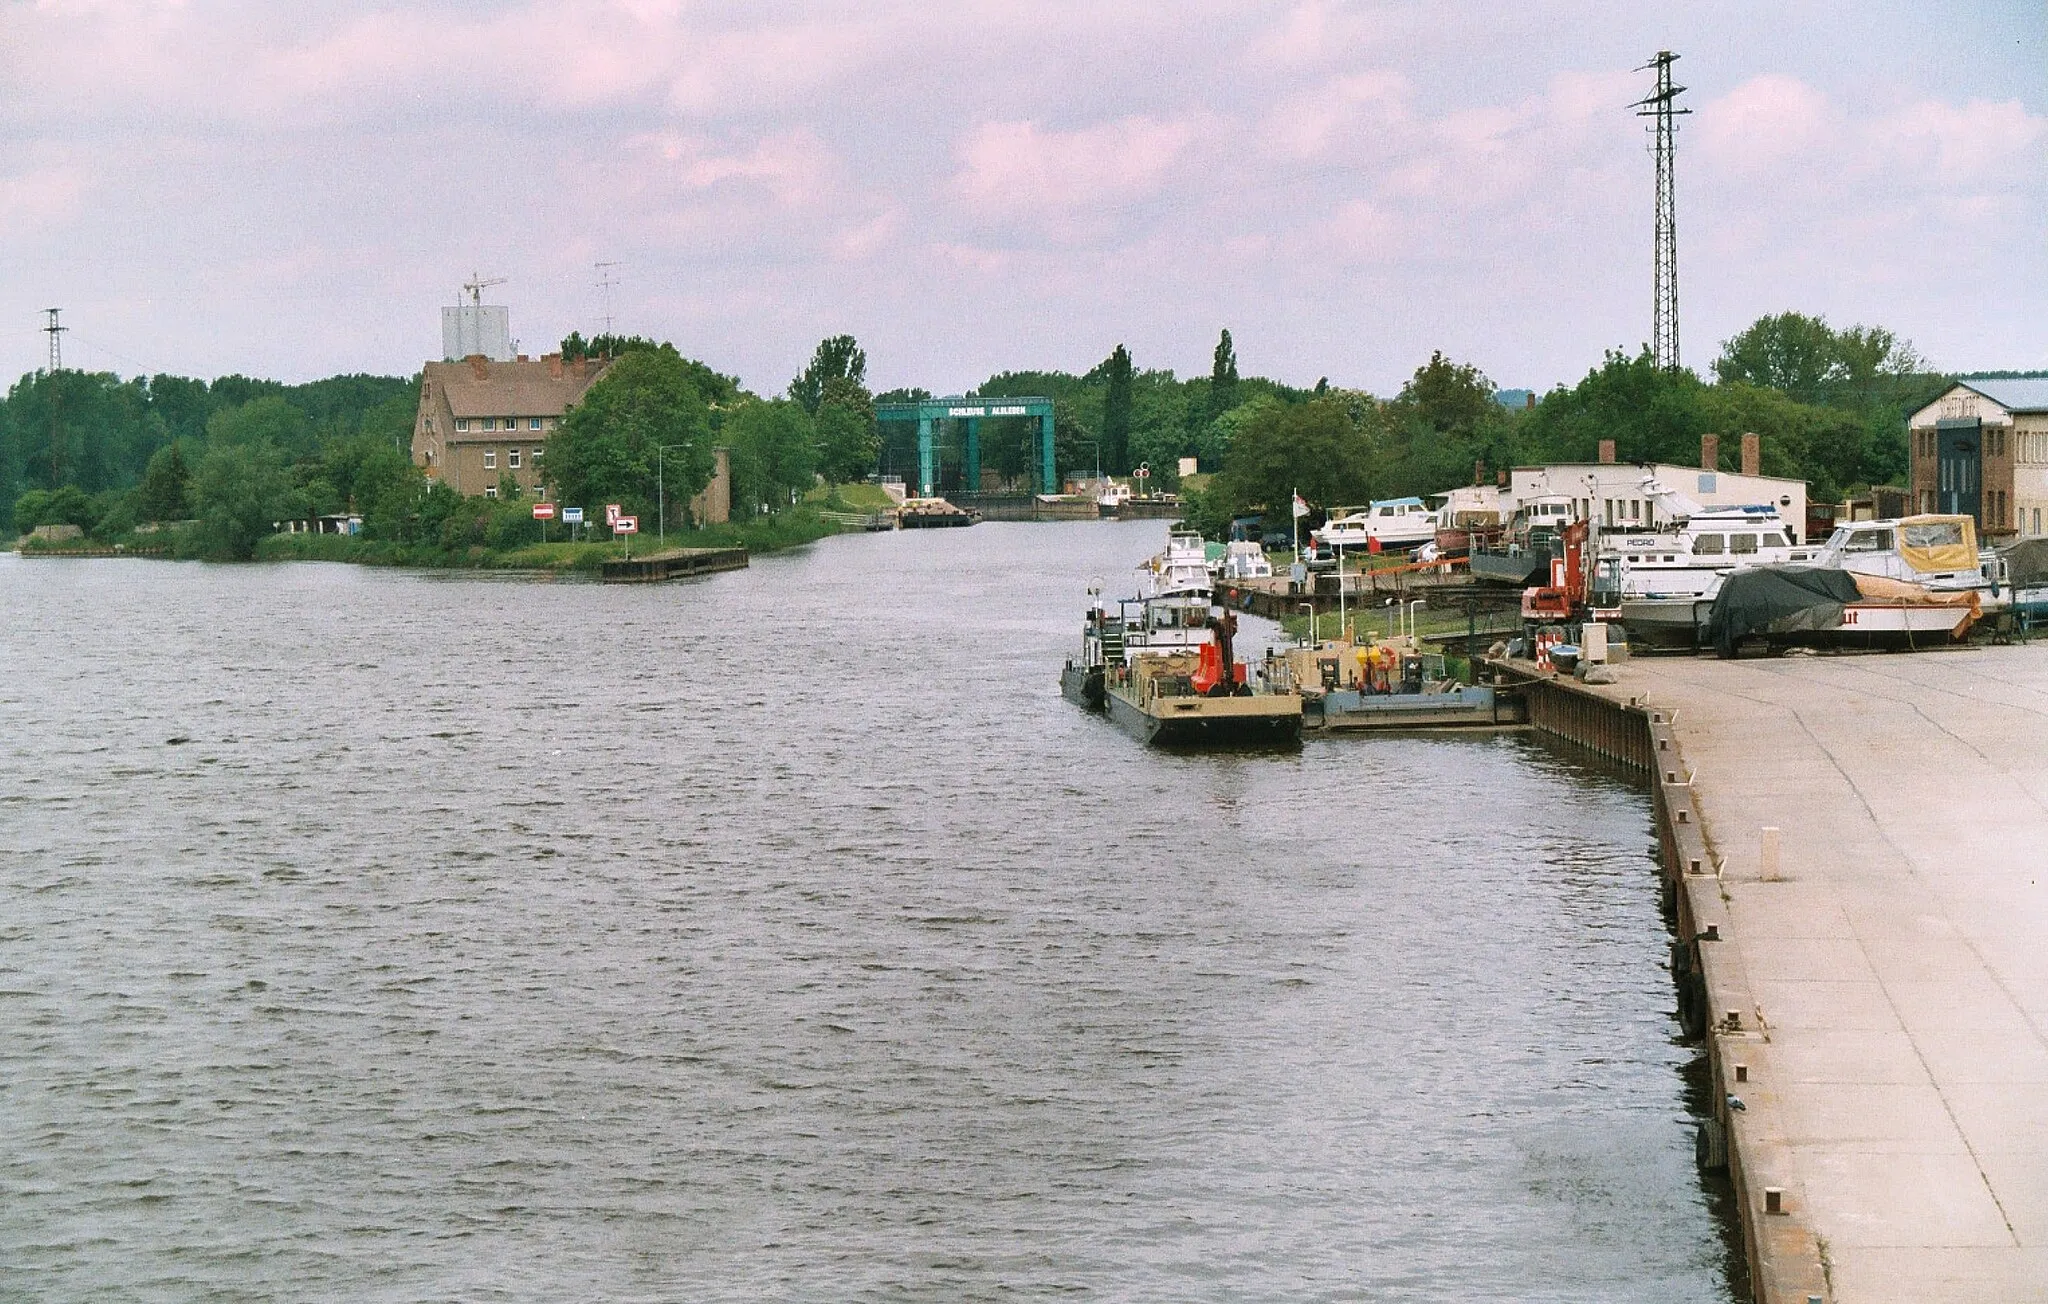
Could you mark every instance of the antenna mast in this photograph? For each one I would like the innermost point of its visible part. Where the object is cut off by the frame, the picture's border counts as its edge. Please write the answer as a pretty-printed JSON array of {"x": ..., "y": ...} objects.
[
  {"x": 606, "y": 283},
  {"x": 1659, "y": 104},
  {"x": 56, "y": 334}
]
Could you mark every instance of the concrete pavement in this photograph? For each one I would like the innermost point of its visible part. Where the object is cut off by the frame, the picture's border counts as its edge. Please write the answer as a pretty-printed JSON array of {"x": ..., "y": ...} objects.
[{"x": 1899, "y": 963}]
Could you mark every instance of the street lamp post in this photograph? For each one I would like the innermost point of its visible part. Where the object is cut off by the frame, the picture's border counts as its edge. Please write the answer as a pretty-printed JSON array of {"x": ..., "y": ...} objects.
[{"x": 661, "y": 494}]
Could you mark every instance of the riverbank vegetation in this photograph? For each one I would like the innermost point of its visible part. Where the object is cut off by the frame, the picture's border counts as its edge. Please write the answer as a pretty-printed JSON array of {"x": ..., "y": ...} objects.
[
  {"x": 238, "y": 469},
  {"x": 218, "y": 465}
]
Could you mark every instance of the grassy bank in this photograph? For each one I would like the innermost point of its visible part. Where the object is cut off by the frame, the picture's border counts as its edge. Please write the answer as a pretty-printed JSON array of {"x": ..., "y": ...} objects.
[{"x": 763, "y": 534}]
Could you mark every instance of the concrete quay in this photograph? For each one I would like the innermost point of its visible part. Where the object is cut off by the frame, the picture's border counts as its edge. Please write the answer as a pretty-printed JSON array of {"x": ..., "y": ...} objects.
[{"x": 1889, "y": 980}]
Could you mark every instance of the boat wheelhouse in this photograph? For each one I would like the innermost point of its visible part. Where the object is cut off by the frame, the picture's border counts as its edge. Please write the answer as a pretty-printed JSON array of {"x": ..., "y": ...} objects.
[
  {"x": 1935, "y": 552},
  {"x": 1531, "y": 542}
]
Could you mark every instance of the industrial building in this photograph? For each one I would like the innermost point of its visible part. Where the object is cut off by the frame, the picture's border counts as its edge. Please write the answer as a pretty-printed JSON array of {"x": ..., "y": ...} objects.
[
  {"x": 1611, "y": 494},
  {"x": 1981, "y": 450}
]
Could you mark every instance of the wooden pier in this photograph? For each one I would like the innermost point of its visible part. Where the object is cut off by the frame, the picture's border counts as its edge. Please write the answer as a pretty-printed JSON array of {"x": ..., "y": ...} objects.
[{"x": 674, "y": 564}]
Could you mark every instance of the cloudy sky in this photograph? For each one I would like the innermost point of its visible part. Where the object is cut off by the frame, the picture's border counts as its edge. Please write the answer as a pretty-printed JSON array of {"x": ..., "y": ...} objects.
[{"x": 293, "y": 190}]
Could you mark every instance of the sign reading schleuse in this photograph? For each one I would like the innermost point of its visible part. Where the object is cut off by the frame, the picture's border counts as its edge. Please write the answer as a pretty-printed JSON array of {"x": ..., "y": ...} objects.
[{"x": 572, "y": 516}]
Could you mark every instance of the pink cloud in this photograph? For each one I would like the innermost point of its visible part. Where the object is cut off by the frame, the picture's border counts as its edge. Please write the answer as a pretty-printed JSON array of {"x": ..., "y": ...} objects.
[
  {"x": 1021, "y": 165},
  {"x": 1971, "y": 142},
  {"x": 1767, "y": 122}
]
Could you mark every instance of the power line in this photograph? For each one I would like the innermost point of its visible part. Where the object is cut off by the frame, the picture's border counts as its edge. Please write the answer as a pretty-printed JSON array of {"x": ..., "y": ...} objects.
[{"x": 1659, "y": 104}]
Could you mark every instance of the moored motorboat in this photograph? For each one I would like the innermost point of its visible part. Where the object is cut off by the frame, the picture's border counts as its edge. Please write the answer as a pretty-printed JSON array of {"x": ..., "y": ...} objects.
[
  {"x": 1828, "y": 607},
  {"x": 1660, "y": 584}
]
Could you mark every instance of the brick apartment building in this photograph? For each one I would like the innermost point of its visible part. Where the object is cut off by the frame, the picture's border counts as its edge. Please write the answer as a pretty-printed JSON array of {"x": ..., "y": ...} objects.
[{"x": 481, "y": 420}]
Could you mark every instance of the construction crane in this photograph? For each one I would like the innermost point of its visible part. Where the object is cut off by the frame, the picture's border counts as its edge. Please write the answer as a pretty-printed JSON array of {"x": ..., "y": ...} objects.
[{"x": 476, "y": 285}]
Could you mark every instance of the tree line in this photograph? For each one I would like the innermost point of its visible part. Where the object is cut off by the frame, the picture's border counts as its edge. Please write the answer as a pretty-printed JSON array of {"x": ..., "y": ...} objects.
[{"x": 235, "y": 454}]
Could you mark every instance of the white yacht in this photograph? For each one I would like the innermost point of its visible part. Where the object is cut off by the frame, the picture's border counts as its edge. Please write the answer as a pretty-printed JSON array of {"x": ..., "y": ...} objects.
[
  {"x": 1934, "y": 552},
  {"x": 1659, "y": 583},
  {"x": 1394, "y": 522}
]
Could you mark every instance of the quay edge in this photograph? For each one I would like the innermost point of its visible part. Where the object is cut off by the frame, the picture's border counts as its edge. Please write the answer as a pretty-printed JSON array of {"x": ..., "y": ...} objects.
[
  {"x": 1784, "y": 1254},
  {"x": 674, "y": 564}
]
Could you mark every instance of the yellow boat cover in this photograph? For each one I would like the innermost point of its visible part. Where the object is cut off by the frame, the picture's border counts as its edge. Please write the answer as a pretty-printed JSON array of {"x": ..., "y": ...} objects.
[{"x": 1938, "y": 543}]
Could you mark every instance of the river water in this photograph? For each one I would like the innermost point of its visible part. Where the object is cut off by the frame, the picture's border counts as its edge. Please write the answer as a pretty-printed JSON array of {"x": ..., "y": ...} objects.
[{"x": 784, "y": 935}]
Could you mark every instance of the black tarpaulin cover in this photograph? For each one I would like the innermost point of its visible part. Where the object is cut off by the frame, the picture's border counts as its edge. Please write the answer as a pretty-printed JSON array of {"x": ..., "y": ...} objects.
[
  {"x": 2027, "y": 562},
  {"x": 1778, "y": 600}
]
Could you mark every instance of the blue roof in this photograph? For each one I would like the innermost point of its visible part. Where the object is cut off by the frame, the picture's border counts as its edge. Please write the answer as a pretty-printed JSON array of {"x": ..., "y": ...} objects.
[
  {"x": 1396, "y": 502},
  {"x": 2027, "y": 395}
]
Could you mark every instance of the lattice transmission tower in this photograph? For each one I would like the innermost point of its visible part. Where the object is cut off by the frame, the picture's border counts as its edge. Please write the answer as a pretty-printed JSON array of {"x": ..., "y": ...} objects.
[
  {"x": 56, "y": 334},
  {"x": 1659, "y": 104}
]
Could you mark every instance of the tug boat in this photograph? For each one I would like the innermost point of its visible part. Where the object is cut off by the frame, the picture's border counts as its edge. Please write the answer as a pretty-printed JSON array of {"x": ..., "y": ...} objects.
[{"x": 1163, "y": 665}]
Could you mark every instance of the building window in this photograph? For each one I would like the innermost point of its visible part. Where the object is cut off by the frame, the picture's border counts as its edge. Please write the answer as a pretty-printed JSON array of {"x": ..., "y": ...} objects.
[
  {"x": 540, "y": 491},
  {"x": 462, "y": 423},
  {"x": 490, "y": 491},
  {"x": 537, "y": 452},
  {"x": 533, "y": 423},
  {"x": 512, "y": 458},
  {"x": 490, "y": 459}
]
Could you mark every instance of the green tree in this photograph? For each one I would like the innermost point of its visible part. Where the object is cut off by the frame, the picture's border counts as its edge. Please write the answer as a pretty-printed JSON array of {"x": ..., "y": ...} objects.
[
  {"x": 238, "y": 492},
  {"x": 1448, "y": 396},
  {"x": 268, "y": 420},
  {"x": 164, "y": 492},
  {"x": 1116, "y": 411},
  {"x": 849, "y": 438},
  {"x": 838, "y": 357},
  {"x": 1810, "y": 362},
  {"x": 65, "y": 505},
  {"x": 773, "y": 452},
  {"x": 1652, "y": 414},
  {"x": 1321, "y": 449},
  {"x": 607, "y": 447},
  {"x": 1223, "y": 378}
]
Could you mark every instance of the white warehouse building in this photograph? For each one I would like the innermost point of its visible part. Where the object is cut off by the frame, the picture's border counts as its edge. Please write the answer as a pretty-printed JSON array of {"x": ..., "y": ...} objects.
[{"x": 1612, "y": 496}]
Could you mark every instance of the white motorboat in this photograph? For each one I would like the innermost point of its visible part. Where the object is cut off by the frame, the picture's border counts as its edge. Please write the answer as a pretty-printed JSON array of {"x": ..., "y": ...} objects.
[
  {"x": 1934, "y": 552},
  {"x": 1244, "y": 560},
  {"x": 1659, "y": 583},
  {"x": 1393, "y": 522}
]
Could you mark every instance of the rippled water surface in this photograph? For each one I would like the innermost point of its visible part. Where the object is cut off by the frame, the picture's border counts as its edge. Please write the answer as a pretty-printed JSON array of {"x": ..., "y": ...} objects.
[{"x": 784, "y": 935}]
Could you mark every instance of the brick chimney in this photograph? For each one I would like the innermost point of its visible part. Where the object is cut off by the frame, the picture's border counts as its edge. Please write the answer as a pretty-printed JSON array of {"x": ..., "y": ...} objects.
[
  {"x": 1479, "y": 471},
  {"x": 1529, "y": 400},
  {"x": 1607, "y": 452},
  {"x": 554, "y": 361},
  {"x": 1710, "y": 452},
  {"x": 1500, "y": 479},
  {"x": 1752, "y": 453}
]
